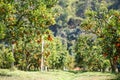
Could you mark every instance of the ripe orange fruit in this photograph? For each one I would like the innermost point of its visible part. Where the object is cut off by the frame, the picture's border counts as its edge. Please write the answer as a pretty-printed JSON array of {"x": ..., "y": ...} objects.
[{"x": 50, "y": 38}]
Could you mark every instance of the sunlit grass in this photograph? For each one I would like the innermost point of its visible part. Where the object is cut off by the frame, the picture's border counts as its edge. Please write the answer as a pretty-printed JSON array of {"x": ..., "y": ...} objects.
[{"x": 6, "y": 74}]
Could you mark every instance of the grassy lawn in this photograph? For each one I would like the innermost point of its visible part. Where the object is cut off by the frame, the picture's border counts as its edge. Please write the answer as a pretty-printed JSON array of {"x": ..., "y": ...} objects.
[{"x": 54, "y": 75}]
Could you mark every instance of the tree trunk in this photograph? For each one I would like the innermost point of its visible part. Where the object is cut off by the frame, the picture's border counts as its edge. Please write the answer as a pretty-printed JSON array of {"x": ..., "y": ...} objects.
[
  {"x": 113, "y": 65},
  {"x": 12, "y": 64},
  {"x": 42, "y": 58}
]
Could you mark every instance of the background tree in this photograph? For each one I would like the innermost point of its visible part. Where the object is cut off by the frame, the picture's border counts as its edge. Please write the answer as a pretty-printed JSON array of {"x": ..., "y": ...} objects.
[
  {"x": 6, "y": 57},
  {"x": 58, "y": 55},
  {"x": 23, "y": 20},
  {"x": 104, "y": 23},
  {"x": 88, "y": 53}
]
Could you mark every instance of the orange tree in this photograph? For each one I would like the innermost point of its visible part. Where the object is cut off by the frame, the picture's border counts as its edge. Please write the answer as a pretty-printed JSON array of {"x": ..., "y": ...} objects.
[
  {"x": 58, "y": 54},
  {"x": 88, "y": 53},
  {"x": 105, "y": 24},
  {"x": 23, "y": 20}
]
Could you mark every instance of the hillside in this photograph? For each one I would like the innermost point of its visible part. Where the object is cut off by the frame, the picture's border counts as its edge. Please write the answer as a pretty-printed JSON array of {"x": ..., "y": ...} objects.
[{"x": 72, "y": 12}]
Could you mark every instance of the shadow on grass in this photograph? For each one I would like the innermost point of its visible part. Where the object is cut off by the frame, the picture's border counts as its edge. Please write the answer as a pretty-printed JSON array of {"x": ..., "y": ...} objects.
[
  {"x": 8, "y": 75},
  {"x": 4, "y": 73},
  {"x": 117, "y": 77},
  {"x": 75, "y": 72}
]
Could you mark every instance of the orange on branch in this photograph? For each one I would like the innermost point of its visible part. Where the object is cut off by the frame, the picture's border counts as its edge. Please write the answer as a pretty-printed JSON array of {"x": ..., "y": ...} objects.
[
  {"x": 11, "y": 19},
  {"x": 39, "y": 41},
  {"x": 115, "y": 58},
  {"x": 50, "y": 38},
  {"x": 19, "y": 50},
  {"x": 14, "y": 42},
  {"x": 118, "y": 45},
  {"x": 105, "y": 54},
  {"x": 118, "y": 39}
]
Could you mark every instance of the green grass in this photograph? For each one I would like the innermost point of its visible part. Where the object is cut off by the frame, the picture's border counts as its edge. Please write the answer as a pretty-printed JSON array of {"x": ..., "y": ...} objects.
[{"x": 53, "y": 75}]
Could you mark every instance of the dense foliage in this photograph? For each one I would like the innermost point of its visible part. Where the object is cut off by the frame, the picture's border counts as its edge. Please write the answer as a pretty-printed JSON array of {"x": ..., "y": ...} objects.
[
  {"x": 105, "y": 24},
  {"x": 60, "y": 34}
]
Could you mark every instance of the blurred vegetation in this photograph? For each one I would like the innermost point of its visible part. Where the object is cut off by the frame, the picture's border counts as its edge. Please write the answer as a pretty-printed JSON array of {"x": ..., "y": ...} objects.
[{"x": 66, "y": 33}]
